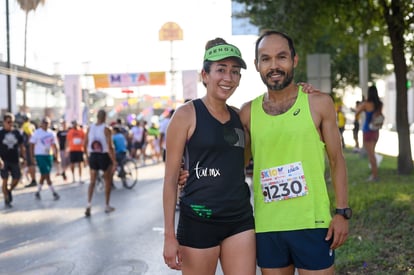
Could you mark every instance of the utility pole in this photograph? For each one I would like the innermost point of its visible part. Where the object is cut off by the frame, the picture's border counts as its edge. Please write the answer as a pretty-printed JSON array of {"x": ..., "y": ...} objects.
[
  {"x": 363, "y": 68},
  {"x": 9, "y": 103}
]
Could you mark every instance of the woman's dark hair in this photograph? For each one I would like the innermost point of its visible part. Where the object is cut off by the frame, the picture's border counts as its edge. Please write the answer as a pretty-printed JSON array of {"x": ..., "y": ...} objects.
[
  {"x": 374, "y": 98},
  {"x": 210, "y": 44},
  {"x": 273, "y": 32}
]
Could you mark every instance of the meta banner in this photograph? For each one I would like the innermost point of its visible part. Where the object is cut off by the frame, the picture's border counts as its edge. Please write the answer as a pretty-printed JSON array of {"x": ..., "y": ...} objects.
[{"x": 129, "y": 79}]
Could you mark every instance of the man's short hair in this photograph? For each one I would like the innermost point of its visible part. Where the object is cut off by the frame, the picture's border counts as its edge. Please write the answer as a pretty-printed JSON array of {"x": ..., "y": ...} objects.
[
  {"x": 101, "y": 114},
  {"x": 8, "y": 115}
]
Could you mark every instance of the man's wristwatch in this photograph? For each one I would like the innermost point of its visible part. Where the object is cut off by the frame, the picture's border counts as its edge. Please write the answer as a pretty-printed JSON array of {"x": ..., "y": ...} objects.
[{"x": 345, "y": 212}]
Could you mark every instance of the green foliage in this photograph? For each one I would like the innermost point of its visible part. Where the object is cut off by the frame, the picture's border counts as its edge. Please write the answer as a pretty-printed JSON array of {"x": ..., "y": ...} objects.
[
  {"x": 381, "y": 239},
  {"x": 333, "y": 27},
  {"x": 337, "y": 28}
]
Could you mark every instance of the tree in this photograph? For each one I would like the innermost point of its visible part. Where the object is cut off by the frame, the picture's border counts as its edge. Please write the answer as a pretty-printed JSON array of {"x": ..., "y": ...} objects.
[
  {"x": 395, "y": 14},
  {"x": 27, "y": 6},
  {"x": 337, "y": 27},
  {"x": 315, "y": 27}
]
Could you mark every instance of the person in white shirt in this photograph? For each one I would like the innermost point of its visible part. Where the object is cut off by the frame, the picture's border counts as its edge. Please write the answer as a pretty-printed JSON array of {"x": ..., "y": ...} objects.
[
  {"x": 163, "y": 131},
  {"x": 138, "y": 136},
  {"x": 44, "y": 148},
  {"x": 99, "y": 148}
]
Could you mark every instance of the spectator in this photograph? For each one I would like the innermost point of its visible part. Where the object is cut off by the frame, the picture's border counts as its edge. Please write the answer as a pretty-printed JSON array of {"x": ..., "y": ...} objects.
[
  {"x": 120, "y": 144},
  {"x": 163, "y": 132},
  {"x": 341, "y": 121},
  {"x": 62, "y": 136},
  {"x": 28, "y": 129},
  {"x": 373, "y": 105},
  {"x": 11, "y": 148},
  {"x": 138, "y": 140},
  {"x": 355, "y": 130},
  {"x": 75, "y": 141},
  {"x": 153, "y": 143},
  {"x": 98, "y": 146},
  {"x": 43, "y": 147}
]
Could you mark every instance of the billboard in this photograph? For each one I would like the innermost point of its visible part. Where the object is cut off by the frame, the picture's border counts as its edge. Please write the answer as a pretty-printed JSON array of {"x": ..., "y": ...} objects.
[{"x": 128, "y": 79}]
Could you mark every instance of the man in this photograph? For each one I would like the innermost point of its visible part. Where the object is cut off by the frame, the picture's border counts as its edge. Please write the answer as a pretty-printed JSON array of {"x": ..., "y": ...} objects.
[
  {"x": 27, "y": 129},
  {"x": 120, "y": 144},
  {"x": 43, "y": 148},
  {"x": 355, "y": 130},
  {"x": 289, "y": 132},
  {"x": 99, "y": 147},
  {"x": 62, "y": 137},
  {"x": 138, "y": 136},
  {"x": 124, "y": 130},
  {"x": 74, "y": 145},
  {"x": 153, "y": 143},
  {"x": 163, "y": 144},
  {"x": 163, "y": 131},
  {"x": 341, "y": 120},
  {"x": 11, "y": 148}
]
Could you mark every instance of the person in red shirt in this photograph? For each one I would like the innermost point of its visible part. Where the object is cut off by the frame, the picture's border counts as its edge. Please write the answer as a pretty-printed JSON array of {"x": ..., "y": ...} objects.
[{"x": 74, "y": 145}]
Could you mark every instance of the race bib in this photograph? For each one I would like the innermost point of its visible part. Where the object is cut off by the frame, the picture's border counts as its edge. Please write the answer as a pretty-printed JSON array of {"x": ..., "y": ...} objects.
[
  {"x": 283, "y": 182},
  {"x": 77, "y": 141}
]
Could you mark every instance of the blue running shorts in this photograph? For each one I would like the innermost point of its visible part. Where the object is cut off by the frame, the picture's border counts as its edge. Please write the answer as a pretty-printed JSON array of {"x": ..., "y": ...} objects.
[{"x": 305, "y": 249}]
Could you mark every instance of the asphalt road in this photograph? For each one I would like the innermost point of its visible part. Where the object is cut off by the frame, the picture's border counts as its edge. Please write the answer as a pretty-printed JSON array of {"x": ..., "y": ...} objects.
[{"x": 54, "y": 237}]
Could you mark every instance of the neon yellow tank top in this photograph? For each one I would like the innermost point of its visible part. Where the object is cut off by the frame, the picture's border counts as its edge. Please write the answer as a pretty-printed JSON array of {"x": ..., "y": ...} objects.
[{"x": 289, "y": 163}]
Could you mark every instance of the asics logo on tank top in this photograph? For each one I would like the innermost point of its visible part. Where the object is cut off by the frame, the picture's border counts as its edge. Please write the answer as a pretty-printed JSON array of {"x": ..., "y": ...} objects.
[{"x": 296, "y": 112}]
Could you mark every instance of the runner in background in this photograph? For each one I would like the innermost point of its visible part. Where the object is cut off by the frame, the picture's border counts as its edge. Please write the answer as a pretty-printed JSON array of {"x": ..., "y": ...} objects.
[
  {"x": 75, "y": 149},
  {"x": 44, "y": 148},
  {"x": 11, "y": 149},
  {"x": 30, "y": 169},
  {"x": 61, "y": 136}
]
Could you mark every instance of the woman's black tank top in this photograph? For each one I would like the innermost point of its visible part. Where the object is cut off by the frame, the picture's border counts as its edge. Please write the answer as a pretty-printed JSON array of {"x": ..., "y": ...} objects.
[{"x": 216, "y": 189}]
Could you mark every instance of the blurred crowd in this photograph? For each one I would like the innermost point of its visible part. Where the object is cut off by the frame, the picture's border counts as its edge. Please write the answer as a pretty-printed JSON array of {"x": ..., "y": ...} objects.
[{"x": 25, "y": 143}]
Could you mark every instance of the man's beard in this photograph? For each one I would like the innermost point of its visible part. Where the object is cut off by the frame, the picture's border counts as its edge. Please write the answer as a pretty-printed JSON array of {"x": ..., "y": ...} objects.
[{"x": 288, "y": 78}]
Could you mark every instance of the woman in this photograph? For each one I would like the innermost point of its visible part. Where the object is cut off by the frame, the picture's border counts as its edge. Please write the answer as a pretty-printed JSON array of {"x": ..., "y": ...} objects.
[
  {"x": 371, "y": 106},
  {"x": 355, "y": 130},
  {"x": 216, "y": 217}
]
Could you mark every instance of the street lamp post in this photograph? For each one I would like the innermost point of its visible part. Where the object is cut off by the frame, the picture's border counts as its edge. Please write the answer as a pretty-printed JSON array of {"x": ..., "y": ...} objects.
[
  {"x": 9, "y": 101},
  {"x": 171, "y": 31}
]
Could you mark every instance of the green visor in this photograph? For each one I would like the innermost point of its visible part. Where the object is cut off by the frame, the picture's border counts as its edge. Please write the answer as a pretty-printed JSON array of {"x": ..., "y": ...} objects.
[{"x": 223, "y": 51}]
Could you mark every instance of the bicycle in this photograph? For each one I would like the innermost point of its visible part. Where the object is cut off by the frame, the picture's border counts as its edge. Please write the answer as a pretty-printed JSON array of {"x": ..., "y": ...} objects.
[{"x": 127, "y": 171}]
